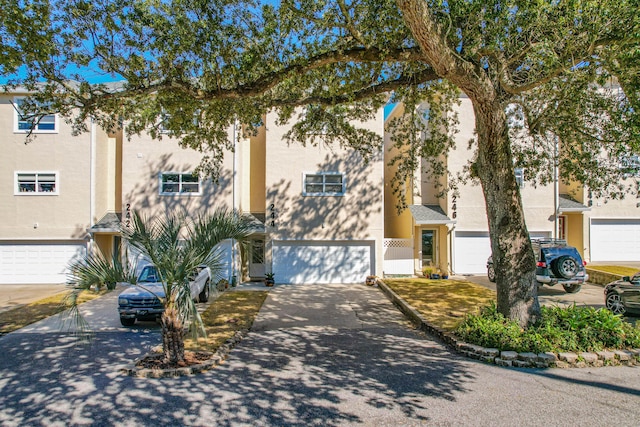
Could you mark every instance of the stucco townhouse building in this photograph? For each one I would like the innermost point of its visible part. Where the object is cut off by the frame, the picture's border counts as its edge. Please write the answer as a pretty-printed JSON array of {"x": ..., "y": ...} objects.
[
  {"x": 321, "y": 214},
  {"x": 450, "y": 233},
  {"x": 317, "y": 210}
]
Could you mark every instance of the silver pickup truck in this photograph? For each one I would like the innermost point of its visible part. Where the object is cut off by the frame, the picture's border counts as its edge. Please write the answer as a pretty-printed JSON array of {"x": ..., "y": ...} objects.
[{"x": 144, "y": 300}]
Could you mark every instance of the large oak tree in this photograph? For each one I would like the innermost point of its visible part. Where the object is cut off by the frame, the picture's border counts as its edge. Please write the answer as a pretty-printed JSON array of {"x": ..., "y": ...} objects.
[{"x": 536, "y": 72}]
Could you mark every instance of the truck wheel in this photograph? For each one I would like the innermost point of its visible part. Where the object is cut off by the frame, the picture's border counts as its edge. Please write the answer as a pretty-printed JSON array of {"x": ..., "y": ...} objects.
[
  {"x": 127, "y": 322},
  {"x": 572, "y": 289},
  {"x": 566, "y": 267},
  {"x": 204, "y": 295},
  {"x": 491, "y": 273}
]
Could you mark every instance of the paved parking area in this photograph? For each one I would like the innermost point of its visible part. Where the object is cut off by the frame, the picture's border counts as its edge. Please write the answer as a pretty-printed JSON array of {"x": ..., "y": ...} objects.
[
  {"x": 318, "y": 355},
  {"x": 590, "y": 294}
]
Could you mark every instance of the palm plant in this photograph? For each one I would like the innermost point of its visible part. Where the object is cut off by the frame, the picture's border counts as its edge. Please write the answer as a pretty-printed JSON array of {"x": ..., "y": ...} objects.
[
  {"x": 176, "y": 245},
  {"x": 95, "y": 270}
]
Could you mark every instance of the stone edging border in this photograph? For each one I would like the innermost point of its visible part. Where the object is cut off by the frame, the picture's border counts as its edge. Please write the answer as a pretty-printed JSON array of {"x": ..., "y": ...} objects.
[
  {"x": 217, "y": 358},
  {"x": 512, "y": 358}
]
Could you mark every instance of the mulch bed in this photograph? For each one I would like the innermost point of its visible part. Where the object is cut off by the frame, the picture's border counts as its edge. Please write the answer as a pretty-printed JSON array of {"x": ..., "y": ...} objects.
[{"x": 156, "y": 361}]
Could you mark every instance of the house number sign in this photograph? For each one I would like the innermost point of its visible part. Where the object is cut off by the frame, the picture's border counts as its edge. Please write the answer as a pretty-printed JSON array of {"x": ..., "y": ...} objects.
[
  {"x": 127, "y": 215},
  {"x": 454, "y": 206},
  {"x": 272, "y": 215}
]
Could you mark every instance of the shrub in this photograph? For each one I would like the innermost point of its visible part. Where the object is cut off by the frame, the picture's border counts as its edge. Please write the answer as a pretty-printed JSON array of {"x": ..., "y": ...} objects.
[{"x": 558, "y": 329}]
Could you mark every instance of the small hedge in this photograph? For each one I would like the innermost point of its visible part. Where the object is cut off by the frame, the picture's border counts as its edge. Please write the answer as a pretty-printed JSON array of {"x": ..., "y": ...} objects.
[{"x": 559, "y": 329}]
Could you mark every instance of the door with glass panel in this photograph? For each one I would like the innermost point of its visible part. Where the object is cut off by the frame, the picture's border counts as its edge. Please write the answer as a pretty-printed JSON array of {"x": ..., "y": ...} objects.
[
  {"x": 256, "y": 258},
  {"x": 428, "y": 248}
]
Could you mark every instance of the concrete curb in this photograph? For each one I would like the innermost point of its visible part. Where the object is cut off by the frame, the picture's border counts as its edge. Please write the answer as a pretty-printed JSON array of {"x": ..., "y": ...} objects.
[
  {"x": 216, "y": 358},
  {"x": 512, "y": 358}
]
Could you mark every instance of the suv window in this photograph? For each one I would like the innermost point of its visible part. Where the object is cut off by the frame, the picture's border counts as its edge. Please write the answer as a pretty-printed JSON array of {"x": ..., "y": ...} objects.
[{"x": 148, "y": 275}]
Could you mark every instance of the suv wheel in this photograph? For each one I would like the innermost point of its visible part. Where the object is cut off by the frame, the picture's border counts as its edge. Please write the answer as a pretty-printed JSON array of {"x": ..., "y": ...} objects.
[
  {"x": 566, "y": 267},
  {"x": 125, "y": 321},
  {"x": 491, "y": 273},
  {"x": 572, "y": 289},
  {"x": 614, "y": 303}
]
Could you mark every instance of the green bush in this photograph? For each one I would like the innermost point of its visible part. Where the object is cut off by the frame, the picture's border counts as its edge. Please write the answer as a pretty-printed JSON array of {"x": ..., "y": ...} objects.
[{"x": 558, "y": 329}]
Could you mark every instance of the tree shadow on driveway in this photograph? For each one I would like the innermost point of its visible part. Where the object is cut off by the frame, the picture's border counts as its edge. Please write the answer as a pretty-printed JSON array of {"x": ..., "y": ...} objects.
[{"x": 305, "y": 374}]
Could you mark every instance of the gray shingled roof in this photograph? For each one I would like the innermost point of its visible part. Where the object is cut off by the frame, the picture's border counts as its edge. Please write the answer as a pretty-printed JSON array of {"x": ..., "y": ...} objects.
[
  {"x": 568, "y": 204},
  {"x": 429, "y": 214},
  {"x": 110, "y": 223},
  {"x": 257, "y": 222}
]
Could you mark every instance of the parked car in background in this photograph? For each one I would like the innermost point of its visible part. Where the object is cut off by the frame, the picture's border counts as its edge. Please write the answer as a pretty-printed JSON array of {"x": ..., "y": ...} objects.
[
  {"x": 556, "y": 263},
  {"x": 623, "y": 296},
  {"x": 143, "y": 301}
]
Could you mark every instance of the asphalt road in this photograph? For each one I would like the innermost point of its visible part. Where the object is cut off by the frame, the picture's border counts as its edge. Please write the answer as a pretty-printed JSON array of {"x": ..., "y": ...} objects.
[{"x": 326, "y": 355}]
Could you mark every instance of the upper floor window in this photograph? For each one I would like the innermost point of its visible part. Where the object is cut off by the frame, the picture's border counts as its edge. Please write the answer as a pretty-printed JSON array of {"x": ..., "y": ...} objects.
[
  {"x": 630, "y": 165},
  {"x": 520, "y": 177},
  {"x": 36, "y": 183},
  {"x": 323, "y": 184},
  {"x": 25, "y": 121},
  {"x": 179, "y": 183}
]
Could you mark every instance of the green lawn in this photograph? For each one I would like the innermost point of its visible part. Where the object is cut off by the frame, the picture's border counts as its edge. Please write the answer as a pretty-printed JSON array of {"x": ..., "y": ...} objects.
[
  {"x": 615, "y": 269},
  {"x": 19, "y": 317},
  {"x": 231, "y": 312},
  {"x": 442, "y": 302}
]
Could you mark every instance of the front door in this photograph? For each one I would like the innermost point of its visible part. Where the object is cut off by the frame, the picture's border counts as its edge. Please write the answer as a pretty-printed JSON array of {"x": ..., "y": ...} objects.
[
  {"x": 256, "y": 258},
  {"x": 428, "y": 248}
]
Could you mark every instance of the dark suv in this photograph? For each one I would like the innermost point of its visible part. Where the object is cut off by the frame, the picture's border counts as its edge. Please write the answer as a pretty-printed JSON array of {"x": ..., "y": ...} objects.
[{"x": 556, "y": 262}]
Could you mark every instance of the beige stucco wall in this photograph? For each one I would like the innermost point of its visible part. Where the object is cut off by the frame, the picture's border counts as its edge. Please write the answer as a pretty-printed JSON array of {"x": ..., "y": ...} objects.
[
  {"x": 143, "y": 159},
  {"x": 357, "y": 215},
  {"x": 257, "y": 171},
  {"x": 538, "y": 202},
  {"x": 62, "y": 216},
  {"x": 396, "y": 225}
]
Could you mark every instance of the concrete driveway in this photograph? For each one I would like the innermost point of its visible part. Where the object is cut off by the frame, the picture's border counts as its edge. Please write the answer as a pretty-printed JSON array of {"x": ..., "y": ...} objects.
[
  {"x": 323, "y": 355},
  {"x": 590, "y": 294}
]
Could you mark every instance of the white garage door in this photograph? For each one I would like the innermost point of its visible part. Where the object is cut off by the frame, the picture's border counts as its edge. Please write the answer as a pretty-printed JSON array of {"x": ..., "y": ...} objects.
[
  {"x": 37, "y": 263},
  {"x": 615, "y": 239},
  {"x": 322, "y": 262},
  {"x": 473, "y": 248}
]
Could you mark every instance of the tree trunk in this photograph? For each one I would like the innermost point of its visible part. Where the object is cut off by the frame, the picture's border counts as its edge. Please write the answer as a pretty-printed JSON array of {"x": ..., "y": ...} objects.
[
  {"x": 173, "y": 334},
  {"x": 512, "y": 253},
  {"x": 513, "y": 256}
]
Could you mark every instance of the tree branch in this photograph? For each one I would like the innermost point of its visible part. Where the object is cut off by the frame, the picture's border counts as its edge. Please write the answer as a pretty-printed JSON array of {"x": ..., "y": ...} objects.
[{"x": 423, "y": 76}]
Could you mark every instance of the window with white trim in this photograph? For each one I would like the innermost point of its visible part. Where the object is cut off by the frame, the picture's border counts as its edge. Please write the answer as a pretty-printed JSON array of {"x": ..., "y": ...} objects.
[
  {"x": 25, "y": 121},
  {"x": 179, "y": 183},
  {"x": 323, "y": 184},
  {"x": 36, "y": 183}
]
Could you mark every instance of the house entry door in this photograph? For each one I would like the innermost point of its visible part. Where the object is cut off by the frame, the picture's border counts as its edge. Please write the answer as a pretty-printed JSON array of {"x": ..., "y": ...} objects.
[
  {"x": 256, "y": 259},
  {"x": 428, "y": 248}
]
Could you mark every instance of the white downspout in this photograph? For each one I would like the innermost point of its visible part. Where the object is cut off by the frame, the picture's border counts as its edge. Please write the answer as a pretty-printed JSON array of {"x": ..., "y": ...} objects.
[
  {"x": 556, "y": 190},
  {"x": 92, "y": 182},
  {"x": 235, "y": 197}
]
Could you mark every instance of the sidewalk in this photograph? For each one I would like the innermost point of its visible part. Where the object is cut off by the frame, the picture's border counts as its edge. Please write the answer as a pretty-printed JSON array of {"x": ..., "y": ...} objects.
[{"x": 15, "y": 295}]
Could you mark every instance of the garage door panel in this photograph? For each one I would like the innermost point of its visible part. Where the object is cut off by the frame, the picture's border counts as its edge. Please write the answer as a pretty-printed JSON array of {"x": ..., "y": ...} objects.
[
  {"x": 615, "y": 239},
  {"x": 310, "y": 262},
  {"x": 37, "y": 263},
  {"x": 472, "y": 249}
]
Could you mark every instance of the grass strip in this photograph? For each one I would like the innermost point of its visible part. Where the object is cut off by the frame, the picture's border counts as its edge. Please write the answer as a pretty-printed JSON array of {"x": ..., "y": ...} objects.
[
  {"x": 443, "y": 303},
  {"x": 615, "y": 269},
  {"x": 231, "y": 312},
  {"x": 21, "y": 316}
]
